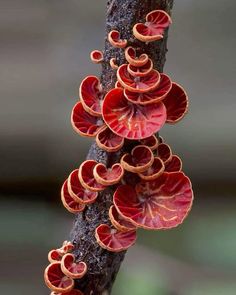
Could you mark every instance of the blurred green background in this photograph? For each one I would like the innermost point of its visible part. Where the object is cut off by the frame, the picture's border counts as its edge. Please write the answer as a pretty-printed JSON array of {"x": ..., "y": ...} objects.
[{"x": 45, "y": 48}]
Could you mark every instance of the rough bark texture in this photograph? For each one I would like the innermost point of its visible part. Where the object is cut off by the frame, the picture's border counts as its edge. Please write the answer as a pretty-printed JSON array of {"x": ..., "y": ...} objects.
[{"x": 103, "y": 266}]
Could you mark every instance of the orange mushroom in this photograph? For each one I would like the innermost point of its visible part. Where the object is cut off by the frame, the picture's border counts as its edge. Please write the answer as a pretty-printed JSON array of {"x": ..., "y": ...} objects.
[
  {"x": 72, "y": 269},
  {"x": 115, "y": 40},
  {"x": 96, "y": 56},
  {"x": 108, "y": 176}
]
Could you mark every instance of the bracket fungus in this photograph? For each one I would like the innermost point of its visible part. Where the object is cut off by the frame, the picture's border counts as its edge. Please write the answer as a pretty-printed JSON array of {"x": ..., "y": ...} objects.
[
  {"x": 72, "y": 269},
  {"x": 154, "y": 171},
  {"x": 115, "y": 40},
  {"x": 108, "y": 176},
  {"x": 174, "y": 165},
  {"x": 133, "y": 59},
  {"x": 109, "y": 141},
  {"x": 96, "y": 56},
  {"x": 140, "y": 71},
  {"x": 113, "y": 63},
  {"x": 164, "y": 152},
  {"x": 118, "y": 222}
]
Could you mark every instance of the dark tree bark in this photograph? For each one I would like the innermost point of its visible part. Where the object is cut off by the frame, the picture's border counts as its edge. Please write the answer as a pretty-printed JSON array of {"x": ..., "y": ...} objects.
[{"x": 103, "y": 265}]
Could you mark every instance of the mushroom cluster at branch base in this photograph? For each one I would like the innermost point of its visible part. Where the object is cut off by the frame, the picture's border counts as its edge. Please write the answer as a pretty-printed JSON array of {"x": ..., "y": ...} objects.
[{"x": 150, "y": 189}]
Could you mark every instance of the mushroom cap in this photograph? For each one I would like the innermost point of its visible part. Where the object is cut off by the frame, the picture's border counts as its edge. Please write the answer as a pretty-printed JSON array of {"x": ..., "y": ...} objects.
[
  {"x": 174, "y": 165},
  {"x": 159, "y": 204},
  {"x": 86, "y": 176},
  {"x": 164, "y": 152},
  {"x": 67, "y": 246},
  {"x": 176, "y": 103},
  {"x": 155, "y": 95},
  {"x": 108, "y": 140},
  {"x": 84, "y": 123},
  {"x": 96, "y": 56},
  {"x": 72, "y": 269},
  {"x": 118, "y": 222},
  {"x": 151, "y": 142},
  {"x": 129, "y": 120},
  {"x": 114, "y": 240},
  {"x": 140, "y": 71},
  {"x": 154, "y": 171},
  {"x": 55, "y": 255},
  {"x": 156, "y": 23},
  {"x": 90, "y": 93},
  {"x": 56, "y": 280},
  {"x": 113, "y": 63},
  {"x": 78, "y": 192},
  {"x": 69, "y": 203},
  {"x": 133, "y": 59},
  {"x": 138, "y": 84},
  {"x": 115, "y": 40},
  {"x": 108, "y": 176}
]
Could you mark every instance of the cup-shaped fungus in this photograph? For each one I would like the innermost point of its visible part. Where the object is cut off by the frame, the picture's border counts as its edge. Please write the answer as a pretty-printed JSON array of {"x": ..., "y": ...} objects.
[
  {"x": 84, "y": 123},
  {"x": 108, "y": 176},
  {"x": 164, "y": 152},
  {"x": 115, "y": 40},
  {"x": 138, "y": 84},
  {"x": 72, "y": 269},
  {"x": 68, "y": 202},
  {"x": 151, "y": 142},
  {"x": 96, "y": 56},
  {"x": 78, "y": 192},
  {"x": 109, "y": 141},
  {"x": 113, "y": 63},
  {"x": 154, "y": 171},
  {"x": 159, "y": 204},
  {"x": 56, "y": 280},
  {"x": 139, "y": 160},
  {"x": 133, "y": 59},
  {"x": 155, "y": 95},
  {"x": 176, "y": 103},
  {"x": 118, "y": 85},
  {"x": 113, "y": 240},
  {"x": 153, "y": 29},
  {"x": 174, "y": 165},
  {"x": 55, "y": 255},
  {"x": 67, "y": 246},
  {"x": 140, "y": 71},
  {"x": 118, "y": 222},
  {"x": 86, "y": 176},
  {"x": 90, "y": 93},
  {"x": 129, "y": 120}
]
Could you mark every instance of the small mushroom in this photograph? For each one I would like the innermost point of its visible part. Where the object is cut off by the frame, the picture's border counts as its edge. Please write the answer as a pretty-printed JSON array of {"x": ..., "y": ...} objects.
[
  {"x": 174, "y": 165},
  {"x": 118, "y": 222},
  {"x": 109, "y": 141},
  {"x": 72, "y": 269},
  {"x": 55, "y": 255},
  {"x": 56, "y": 280},
  {"x": 96, "y": 56},
  {"x": 133, "y": 59},
  {"x": 115, "y": 40},
  {"x": 140, "y": 71},
  {"x": 113, "y": 64},
  {"x": 114, "y": 240},
  {"x": 164, "y": 152},
  {"x": 153, "y": 29},
  {"x": 154, "y": 171},
  {"x": 151, "y": 142},
  {"x": 108, "y": 176}
]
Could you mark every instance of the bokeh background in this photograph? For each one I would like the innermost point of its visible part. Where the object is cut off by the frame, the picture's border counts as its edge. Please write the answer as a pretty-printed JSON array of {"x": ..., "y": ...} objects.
[{"x": 44, "y": 54}]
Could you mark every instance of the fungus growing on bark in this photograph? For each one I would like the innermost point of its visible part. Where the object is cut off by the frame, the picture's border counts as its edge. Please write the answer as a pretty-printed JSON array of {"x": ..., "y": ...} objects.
[
  {"x": 118, "y": 222},
  {"x": 56, "y": 254},
  {"x": 140, "y": 71},
  {"x": 159, "y": 204},
  {"x": 96, "y": 56},
  {"x": 151, "y": 142},
  {"x": 115, "y": 40},
  {"x": 56, "y": 280},
  {"x": 72, "y": 269},
  {"x": 114, "y": 240},
  {"x": 164, "y": 152},
  {"x": 153, "y": 29},
  {"x": 129, "y": 120},
  {"x": 133, "y": 59},
  {"x": 113, "y": 63},
  {"x": 154, "y": 171},
  {"x": 109, "y": 141},
  {"x": 174, "y": 165},
  {"x": 108, "y": 176}
]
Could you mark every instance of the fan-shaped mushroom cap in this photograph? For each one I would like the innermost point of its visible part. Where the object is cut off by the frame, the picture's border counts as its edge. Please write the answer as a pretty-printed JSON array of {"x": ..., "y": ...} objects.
[
  {"x": 174, "y": 165},
  {"x": 156, "y": 22},
  {"x": 72, "y": 269},
  {"x": 118, "y": 85},
  {"x": 159, "y": 204},
  {"x": 90, "y": 93},
  {"x": 113, "y": 63},
  {"x": 55, "y": 255},
  {"x": 109, "y": 141},
  {"x": 176, "y": 103},
  {"x": 164, "y": 152},
  {"x": 154, "y": 171},
  {"x": 140, "y": 159},
  {"x": 129, "y": 120},
  {"x": 67, "y": 246},
  {"x": 56, "y": 280},
  {"x": 86, "y": 176},
  {"x": 84, "y": 123},
  {"x": 68, "y": 202},
  {"x": 133, "y": 59},
  {"x": 138, "y": 84},
  {"x": 118, "y": 222},
  {"x": 114, "y": 240},
  {"x": 78, "y": 192},
  {"x": 151, "y": 142},
  {"x": 108, "y": 176},
  {"x": 96, "y": 56},
  {"x": 115, "y": 40},
  {"x": 155, "y": 95},
  {"x": 140, "y": 71}
]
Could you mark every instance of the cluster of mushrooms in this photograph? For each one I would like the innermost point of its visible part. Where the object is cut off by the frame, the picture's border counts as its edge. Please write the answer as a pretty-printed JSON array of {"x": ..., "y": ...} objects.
[{"x": 151, "y": 191}]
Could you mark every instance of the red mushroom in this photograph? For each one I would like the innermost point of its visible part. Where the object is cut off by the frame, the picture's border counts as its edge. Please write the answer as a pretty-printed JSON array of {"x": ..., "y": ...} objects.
[
  {"x": 90, "y": 93},
  {"x": 156, "y": 22},
  {"x": 151, "y": 142},
  {"x": 109, "y": 141},
  {"x": 56, "y": 280},
  {"x": 164, "y": 152},
  {"x": 96, "y": 56},
  {"x": 72, "y": 269},
  {"x": 118, "y": 222},
  {"x": 67, "y": 246},
  {"x": 86, "y": 176},
  {"x": 115, "y": 40},
  {"x": 174, "y": 165},
  {"x": 68, "y": 202},
  {"x": 72, "y": 292},
  {"x": 156, "y": 95},
  {"x": 108, "y": 176},
  {"x": 55, "y": 255},
  {"x": 176, "y": 103},
  {"x": 78, "y": 192},
  {"x": 118, "y": 85},
  {"x": 84, "y": 123},
  {"x": 159, "y": 204},
  {"x": 113, "y": 64},
  {"x": 114, "y": 240},
  {"x": 131, "y": 57},
  {"x": 140, "y": 71},
  {"x": 138, "y": 84},
  {"x": 140, "y": 159},
  {"x": 154, "y": 171},
  {"x": 129, "y": 120}
]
